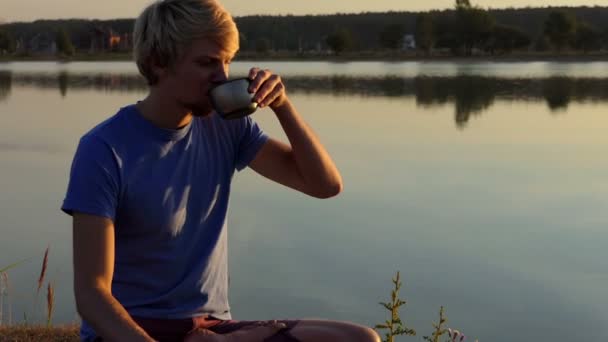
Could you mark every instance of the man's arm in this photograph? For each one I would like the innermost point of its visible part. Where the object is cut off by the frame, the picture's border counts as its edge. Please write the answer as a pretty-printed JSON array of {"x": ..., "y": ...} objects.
[
  {"x": 93, "y": 247},
  {"x": 305, "y": 165}
]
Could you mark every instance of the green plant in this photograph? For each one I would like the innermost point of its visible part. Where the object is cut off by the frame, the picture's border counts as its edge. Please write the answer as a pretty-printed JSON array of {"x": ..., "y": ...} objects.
[
  {"x": 394, "y": 325},
  {"x": 11, "y": 266},
  {"x": 4, "y": 287},
  {"x": 440, "y": 329}
]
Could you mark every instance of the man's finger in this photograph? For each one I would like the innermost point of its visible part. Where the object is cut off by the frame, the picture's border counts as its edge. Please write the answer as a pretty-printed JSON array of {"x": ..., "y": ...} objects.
[
  {"x": 275, "y": 94},
  {"x": 267, "y": 88},
  {"x": 253, "y": 73},
  {"x": 260, "y": 77}
]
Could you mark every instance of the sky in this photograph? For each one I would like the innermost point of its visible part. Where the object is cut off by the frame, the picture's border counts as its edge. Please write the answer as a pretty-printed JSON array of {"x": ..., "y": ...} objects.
[{"x": 29, "y": 10}]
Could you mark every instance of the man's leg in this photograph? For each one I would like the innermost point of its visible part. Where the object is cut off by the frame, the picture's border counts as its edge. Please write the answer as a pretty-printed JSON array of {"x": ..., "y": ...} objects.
[
  {"x": 256, "y": 334},
  {"x": 326, "y": 331},
  {"x": 300, "y": 331}
]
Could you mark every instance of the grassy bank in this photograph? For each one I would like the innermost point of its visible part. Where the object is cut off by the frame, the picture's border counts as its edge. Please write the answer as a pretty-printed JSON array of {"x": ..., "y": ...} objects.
[{"x": 29, "y": 333}]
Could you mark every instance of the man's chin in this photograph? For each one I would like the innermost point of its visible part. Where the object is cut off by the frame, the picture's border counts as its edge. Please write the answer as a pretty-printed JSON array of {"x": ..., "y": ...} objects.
[{"x": 201, "y": 111}]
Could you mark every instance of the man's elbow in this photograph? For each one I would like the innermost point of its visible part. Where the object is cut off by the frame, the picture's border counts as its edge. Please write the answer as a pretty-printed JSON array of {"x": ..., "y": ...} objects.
[
  {"x": 83, "y": 300},
  {"x": 88, "y": 297},
  {"x": 329, "y": 191}
]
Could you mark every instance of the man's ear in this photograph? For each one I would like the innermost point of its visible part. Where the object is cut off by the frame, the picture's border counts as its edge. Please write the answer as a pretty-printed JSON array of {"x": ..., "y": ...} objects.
[{"x": 158, "y": 67}]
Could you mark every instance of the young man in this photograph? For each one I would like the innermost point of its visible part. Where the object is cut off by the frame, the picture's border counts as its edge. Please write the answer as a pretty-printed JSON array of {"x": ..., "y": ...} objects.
[{"x": 149, "y": 191}]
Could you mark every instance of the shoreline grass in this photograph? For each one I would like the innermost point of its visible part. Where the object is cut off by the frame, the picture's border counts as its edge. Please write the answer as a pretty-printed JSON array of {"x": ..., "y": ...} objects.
[{"x": 31, "y": 333}]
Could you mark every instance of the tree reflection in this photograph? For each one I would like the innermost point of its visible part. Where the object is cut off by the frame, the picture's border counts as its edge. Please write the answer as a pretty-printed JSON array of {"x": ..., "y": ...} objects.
[
  {"x": 470, "y": 95},
  {"x": 557, "y": 92},
  {"x": 66, "y": 80},
  {"x": 6, "y": 80},
  {"x": 63, "y": 80}
]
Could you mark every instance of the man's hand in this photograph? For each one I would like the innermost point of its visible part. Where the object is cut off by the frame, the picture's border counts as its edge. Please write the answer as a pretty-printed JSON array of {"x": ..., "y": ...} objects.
[{"x": 268, "y": 88}]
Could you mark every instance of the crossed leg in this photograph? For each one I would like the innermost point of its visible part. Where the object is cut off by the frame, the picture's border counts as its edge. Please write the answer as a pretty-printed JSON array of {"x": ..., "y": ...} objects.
[
  {"x": 304, "y": 331},
  {"x": 326, "y": 331}
]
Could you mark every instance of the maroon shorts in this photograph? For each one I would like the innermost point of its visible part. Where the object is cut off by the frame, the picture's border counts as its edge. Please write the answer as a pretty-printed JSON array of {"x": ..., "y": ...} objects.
[{"x": 175, "y": 330}]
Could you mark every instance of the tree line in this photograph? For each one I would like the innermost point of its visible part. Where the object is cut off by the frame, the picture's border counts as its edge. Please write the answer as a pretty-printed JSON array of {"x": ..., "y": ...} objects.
[{"x": 465, "y": 30}]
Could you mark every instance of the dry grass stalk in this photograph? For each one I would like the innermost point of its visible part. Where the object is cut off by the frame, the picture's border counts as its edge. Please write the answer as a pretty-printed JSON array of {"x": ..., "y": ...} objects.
[
  {"x": 4, "y": 289},
  {"x": 45, "y": 262},
  {"x": 2, "y": 286},
  {"x": 37, "y": 333},
  {"x": 10, "y": 307},
  {"x": 50, "y": 300}
]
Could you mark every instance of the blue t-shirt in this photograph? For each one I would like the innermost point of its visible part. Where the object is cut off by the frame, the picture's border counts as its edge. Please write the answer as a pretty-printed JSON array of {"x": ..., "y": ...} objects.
[{"x": 167, "y": 193}]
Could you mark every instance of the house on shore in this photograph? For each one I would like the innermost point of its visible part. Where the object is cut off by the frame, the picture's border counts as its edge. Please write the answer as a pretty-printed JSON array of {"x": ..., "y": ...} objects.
[{"x": 107, "y": 40}]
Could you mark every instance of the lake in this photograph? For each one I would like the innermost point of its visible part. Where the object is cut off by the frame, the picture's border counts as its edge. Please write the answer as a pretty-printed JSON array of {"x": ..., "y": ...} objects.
[{"x": 482, "y": 183}]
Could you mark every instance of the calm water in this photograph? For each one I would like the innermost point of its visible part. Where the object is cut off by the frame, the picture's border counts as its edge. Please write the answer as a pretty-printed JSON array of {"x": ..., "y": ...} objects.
[{"x": 484, "y": 184}]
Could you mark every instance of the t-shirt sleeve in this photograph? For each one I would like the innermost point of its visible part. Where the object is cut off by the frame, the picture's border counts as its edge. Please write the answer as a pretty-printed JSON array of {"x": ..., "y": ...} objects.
[
  {"x": 94, "y": 180},
  {"x": 251, "y": 139}
]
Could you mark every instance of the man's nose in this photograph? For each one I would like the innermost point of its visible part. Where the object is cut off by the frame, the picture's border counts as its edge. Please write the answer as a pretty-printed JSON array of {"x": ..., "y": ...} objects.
[{"x": 220, "y": 74}]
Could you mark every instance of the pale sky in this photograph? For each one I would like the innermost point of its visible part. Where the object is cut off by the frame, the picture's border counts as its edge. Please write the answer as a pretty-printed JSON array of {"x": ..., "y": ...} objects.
[{"x": 28, "y": 10}]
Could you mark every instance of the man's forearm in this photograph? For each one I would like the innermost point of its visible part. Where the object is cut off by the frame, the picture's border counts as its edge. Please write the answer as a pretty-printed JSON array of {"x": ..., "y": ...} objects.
[
  {"x": 312, "y": 160},
  {"x": 108, "y": 317}
]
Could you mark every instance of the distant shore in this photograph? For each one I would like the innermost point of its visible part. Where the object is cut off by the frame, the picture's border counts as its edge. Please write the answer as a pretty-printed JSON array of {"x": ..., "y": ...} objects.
[{"x": 345, "y": 57}]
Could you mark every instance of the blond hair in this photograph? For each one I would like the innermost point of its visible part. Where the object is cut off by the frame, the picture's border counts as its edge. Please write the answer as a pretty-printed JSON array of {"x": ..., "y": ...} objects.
[{"x": 167, "y": 27}]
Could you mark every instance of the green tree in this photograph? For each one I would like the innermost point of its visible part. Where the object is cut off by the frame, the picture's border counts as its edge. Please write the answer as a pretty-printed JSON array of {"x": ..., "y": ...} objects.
[
  {"x": 262, "y": 45},
  {"x": 425, "y": 32},
  {"x": 7, "y": 42},
  {"x": 508, "y": 38},
  {"x": 474, "y": 26},
  {"x": 463, "y": 4},
  {"x": 339, "y": 41},
  {"x": 64, "y": 43},
  {"x": 560, "y": 28},
  {"x": 391, "y": 37},
  {"x": 542, "y": 43},
  {"x": 587, "y": 38}
]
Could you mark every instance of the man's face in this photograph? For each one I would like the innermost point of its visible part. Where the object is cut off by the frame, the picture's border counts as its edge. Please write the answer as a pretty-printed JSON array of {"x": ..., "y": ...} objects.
[{"x": 199, "y": 68}]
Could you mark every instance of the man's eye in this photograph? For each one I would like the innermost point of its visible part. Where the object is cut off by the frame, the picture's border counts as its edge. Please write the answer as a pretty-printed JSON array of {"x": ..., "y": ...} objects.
[{"x": 204, "y": 62}]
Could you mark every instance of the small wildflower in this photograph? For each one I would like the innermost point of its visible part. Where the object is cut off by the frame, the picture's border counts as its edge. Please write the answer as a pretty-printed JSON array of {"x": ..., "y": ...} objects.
[{"x": 456, "y": 335}]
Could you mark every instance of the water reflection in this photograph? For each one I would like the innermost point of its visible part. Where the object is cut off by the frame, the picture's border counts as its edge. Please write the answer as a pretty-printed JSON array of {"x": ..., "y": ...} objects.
[
  {"x": 558, "y": 93},
  {"x": 470, "y": 95},
  {"x": 63, "y": 79},
  {"x": 5, "y": 84}
]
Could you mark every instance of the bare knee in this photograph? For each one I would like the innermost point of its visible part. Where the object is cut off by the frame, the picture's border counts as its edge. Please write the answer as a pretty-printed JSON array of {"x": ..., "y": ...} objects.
[
  {"x": 333, "y": 331},
  {"x": 361, "y": 333}
]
